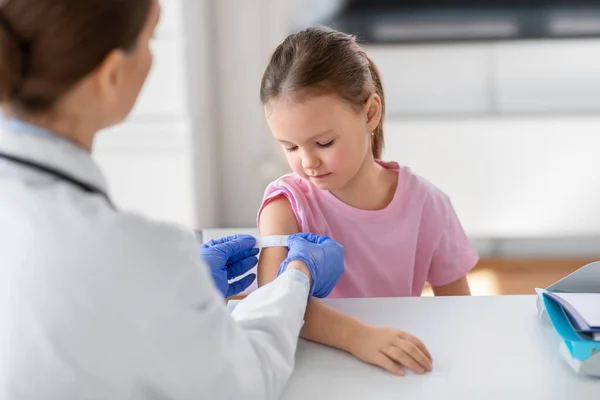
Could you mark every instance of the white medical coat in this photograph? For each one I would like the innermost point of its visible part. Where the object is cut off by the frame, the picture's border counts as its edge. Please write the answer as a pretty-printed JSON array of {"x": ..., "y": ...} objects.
[{"x": 100, "y": 304}]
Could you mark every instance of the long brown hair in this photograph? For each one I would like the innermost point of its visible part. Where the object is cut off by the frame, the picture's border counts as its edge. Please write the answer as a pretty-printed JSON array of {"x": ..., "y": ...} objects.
[
  {"x": 320, "y": 60},
  {"x": 48, "y": 46}
]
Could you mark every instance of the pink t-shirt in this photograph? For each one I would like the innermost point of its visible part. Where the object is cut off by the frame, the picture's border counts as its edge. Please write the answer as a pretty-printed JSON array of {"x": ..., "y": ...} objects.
[{"x": 391, "y": 252}]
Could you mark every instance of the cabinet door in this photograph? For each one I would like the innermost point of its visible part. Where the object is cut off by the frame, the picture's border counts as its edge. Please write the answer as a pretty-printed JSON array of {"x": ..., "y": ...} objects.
[
  {"x": 548, "y": 76},
  {"x": 434, "y": 79},
  {"x": 511, "y": 177}
]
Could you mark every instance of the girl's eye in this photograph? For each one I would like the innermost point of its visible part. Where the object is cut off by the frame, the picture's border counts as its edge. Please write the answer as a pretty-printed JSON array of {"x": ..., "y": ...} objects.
[
  {"x": 291, "y": 149},
  {"x": 328, "y": 144}
]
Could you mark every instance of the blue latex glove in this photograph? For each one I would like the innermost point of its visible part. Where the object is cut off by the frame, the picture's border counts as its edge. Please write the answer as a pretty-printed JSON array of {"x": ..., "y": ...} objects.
[
  {"x": 229, "y": 258},
  {"x": 323, "y": 256}
]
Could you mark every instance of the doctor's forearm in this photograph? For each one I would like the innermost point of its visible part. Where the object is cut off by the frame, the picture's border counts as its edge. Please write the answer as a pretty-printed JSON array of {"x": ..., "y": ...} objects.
[
  {"x": 326, "y": 325},
  {"x": 271, "y": 318}
]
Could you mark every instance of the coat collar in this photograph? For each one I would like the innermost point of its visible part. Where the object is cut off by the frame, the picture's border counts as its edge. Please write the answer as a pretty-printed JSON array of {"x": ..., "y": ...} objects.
[{"x": 49, "y": 150}]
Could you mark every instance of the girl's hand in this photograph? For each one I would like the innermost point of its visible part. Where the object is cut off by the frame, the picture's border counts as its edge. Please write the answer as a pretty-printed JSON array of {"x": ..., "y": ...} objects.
[{"x": 391, "y": 349}]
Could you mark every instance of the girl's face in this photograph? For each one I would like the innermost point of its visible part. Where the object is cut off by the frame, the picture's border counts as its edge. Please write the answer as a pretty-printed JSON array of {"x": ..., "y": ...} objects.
[{"x": 325, "y": 139}]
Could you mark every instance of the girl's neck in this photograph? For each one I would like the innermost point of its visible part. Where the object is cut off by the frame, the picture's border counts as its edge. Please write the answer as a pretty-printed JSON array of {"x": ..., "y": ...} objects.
[{"x": 372, "y": 188}]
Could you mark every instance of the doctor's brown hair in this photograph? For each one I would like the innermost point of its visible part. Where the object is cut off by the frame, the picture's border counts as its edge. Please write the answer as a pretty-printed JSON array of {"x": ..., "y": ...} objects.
[
  {"x": 323, "y": 61},
  {"x": 48, "y": 46}
]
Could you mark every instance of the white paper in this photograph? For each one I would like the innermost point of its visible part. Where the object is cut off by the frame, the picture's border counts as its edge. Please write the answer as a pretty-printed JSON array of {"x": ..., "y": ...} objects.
[
  {"x": 586, "y": 304},
  {"x": 272, "y": 241}
]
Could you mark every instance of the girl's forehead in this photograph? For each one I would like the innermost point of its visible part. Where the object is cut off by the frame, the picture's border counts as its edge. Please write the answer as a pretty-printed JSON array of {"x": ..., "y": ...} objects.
[{"x": 318, "y": 107}]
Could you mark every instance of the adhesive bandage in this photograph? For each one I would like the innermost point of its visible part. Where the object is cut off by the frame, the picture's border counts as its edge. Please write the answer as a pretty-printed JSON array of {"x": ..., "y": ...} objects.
[{"x": 272, "y": 241}]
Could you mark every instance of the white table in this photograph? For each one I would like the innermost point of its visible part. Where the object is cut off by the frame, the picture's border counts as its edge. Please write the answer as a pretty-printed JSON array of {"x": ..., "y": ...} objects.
[{"x": 483, "y": 348}]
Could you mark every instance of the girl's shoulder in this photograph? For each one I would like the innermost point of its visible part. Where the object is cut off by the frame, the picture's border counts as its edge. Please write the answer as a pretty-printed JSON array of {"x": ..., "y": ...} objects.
[
  {"x": 291, "y": 182},
  {"x": 418, "y": 189}
]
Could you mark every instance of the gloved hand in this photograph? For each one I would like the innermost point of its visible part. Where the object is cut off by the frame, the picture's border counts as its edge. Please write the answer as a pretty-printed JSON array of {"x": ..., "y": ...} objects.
[
  {"x": 323, "y": 256},
  {"x": 228, "y": 258}
]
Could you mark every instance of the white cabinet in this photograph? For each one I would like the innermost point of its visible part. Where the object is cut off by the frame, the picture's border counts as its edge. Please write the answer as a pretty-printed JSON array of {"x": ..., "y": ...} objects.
[
  {"x": 508, "y": 177},
  {"x": 426, "y": 80},
  {"x": 548, "y": 76},
  {"x": 526, "y": 165},
  {"x": 516, "y": 77}
]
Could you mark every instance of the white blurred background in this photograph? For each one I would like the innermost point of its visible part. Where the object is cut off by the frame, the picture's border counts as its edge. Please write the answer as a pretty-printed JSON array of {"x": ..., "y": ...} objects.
[{"x": 495, "y": 102}]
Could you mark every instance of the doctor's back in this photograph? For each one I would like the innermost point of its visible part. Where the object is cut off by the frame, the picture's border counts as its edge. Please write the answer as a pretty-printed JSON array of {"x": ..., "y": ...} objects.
[
  {"x": 96, "y": 303},
  {"x": 80, "y": 283},
  {"x": 72, "y": 306}
]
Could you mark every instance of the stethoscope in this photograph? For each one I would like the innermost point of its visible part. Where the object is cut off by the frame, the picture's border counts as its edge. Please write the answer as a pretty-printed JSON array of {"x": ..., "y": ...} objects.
[{"x": 25, "y": 128}]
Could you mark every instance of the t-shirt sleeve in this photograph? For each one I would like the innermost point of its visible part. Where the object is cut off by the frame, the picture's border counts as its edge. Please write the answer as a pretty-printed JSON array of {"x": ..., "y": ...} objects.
[
  {"x": 454, "y": 256},
  {"x": 286, "y": 189}
]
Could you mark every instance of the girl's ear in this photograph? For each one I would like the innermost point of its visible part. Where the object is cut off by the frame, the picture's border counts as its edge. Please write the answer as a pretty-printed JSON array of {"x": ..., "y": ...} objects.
[{"x": 373, "y": 111}]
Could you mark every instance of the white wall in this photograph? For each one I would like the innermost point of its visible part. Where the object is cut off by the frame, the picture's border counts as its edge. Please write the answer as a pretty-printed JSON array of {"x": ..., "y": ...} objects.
[
  {"x": 201, "y": 92},
  {"x": 243, "y": 136}
]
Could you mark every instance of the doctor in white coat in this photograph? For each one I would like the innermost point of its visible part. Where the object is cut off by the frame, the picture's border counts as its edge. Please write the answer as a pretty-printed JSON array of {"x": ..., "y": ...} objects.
[{"x": 100, "y": 304}]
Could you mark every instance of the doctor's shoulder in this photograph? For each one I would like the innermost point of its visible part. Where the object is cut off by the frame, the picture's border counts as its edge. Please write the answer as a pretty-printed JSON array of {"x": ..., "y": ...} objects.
[
  {"x": 128, "y": 245},
  {"x": 136, "y": 234},
  {"x": 154, "y": 259}
]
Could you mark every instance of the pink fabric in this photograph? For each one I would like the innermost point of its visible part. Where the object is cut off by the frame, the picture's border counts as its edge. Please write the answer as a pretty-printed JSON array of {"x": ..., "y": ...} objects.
[{"x": 391, "y": 252}]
